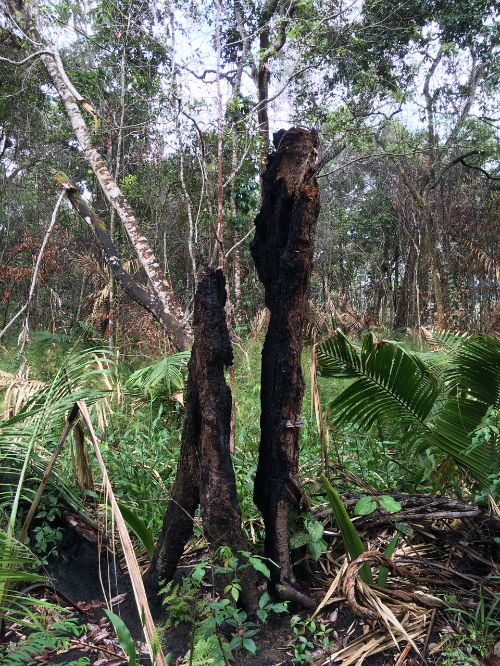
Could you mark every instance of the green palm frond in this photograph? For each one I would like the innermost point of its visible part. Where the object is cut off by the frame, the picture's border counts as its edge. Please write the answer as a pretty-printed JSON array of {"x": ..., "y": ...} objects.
[
  {"x": 26, "y": 443},
  {"x": 18, "y": 567},
  {"x": 449, "y": 341},
  {"x": 28, "y": 438},
  {"x": 475, "y": 370},
  {"x": 474, "y": 386},
  {"x": 163, "y": 377},
  {"x": 390, "y": 382}
]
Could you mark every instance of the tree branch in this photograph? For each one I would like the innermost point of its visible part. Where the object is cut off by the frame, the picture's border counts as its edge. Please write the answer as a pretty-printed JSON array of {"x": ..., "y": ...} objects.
[{"x": 149, "y": 302}]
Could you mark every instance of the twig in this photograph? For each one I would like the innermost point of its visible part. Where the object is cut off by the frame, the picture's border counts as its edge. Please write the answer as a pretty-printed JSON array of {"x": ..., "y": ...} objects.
[
  {"x": 26, "y": 306},
  {"x": 403, "y": 655},
  {"x": 70, "y": 422}
]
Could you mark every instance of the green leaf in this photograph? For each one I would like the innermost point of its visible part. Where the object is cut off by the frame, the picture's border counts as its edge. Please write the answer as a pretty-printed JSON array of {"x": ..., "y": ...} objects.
[
  {"x": 405, "y": 529},
  {"x": 388, "y": 552},
  {"x": 249, "y": 645},
  {"x": 315, "y": 549},
  {"x": 389, "y": 504},
  {"x": 264, "y": 600},
  {"x": 260, "y": 566},
  {"x": 298, "y": 540},
  {"x": 315, "y": 529},
  {"x": 353, "y": 543},
  {"x": 124, "y": 637},
  {"x": 364, "y": 506},
  {"x": 138, "y": 527}
]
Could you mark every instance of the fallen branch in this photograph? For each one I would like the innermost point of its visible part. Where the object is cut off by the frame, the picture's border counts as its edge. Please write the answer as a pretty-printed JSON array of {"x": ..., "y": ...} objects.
[{"x": 150, "y": 633}]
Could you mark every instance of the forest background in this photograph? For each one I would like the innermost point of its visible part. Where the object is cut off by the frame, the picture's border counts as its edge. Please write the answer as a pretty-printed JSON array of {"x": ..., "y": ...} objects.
[{"x": 156, "y": 118}]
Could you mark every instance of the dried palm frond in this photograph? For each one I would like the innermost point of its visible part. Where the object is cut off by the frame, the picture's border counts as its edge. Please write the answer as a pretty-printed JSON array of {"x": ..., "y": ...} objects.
[
  {"x": 18, "y": 392},
  {"x": 315, "y": 322},
  {"x": 351, "y": 321},
  {"x": 143, "y": 609},
  {"x": 92, "y": 268},
  {"x": 481, "y": 260},
  {"x": 443, "y": 339},
  {"x": 260, "y": 323},
  {"x": 493, "y": 324}
]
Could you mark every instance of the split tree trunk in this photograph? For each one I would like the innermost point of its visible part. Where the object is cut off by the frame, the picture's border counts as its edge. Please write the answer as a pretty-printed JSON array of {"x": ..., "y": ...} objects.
[
  {"x": 283, "y": 251},
  {"x": 205, "y": 474}
]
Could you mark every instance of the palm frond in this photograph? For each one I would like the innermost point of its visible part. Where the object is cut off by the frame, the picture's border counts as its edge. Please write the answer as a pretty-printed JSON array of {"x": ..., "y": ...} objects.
[
  {"x": 391, "y": 382},
  {"x": 28, "y": 438},
  {"x": 165, "y": 376},
  {"x": 402, "y": 386},
  {"x": 449, "y": 341}
]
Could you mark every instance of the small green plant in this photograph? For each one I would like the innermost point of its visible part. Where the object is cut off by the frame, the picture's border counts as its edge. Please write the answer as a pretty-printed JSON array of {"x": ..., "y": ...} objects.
[
  {"x": 56, "y": 636},
  {"x": 477, "y": 632},
  {"x": 47, "y": 534},
  {"x": 182, "y": 601},
  {"x": 311, "y": 536},
  {"x": 309, "y": 635}
]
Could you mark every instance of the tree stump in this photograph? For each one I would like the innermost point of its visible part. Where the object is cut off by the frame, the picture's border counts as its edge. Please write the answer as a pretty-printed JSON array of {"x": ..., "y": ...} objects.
[
  {"x": 283, "y": 253},
  {"x": 205, "y": 474}
]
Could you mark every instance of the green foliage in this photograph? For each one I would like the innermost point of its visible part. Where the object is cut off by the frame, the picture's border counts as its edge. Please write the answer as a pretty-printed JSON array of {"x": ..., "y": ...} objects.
[
  {"x": 353, "y": 543},
  {"x": 124, "y": 638},
  {"x": 47, "y": 537},
  {"x": 379, "y": 368},
  {"x": 479, "y": 629},
  {"x": 138, "y": 527},
  {"x": 368, "y": 504},
  {"x": 181, "y": 601},
  {"x": 309, "y": 636},
  {"x": 388, "y": 552},
  {"x": 38, "y": 642},
  {"x": 394, "y": 384},
  {"x": 311, "y": 536},
  {"x": 162, "y": 378}
]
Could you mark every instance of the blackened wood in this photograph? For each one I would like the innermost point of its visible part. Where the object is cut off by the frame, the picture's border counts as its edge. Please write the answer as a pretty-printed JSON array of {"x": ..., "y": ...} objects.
[
  {"x": 205, "y": 472},
  {"x": 283, "y": 253}
]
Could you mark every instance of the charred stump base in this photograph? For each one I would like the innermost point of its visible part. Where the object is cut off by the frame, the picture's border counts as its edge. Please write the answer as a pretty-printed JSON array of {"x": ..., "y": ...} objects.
[
  {"x": 283, "y": 251},
  {"x": 205, "y": 474}
]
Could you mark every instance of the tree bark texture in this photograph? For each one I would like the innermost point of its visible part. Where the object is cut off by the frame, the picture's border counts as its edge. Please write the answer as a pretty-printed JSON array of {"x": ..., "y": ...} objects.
[
  {"x": 177, "y": 334},
  {"x": 205, "y": 474},
  {"x": 282, "y": 250}
]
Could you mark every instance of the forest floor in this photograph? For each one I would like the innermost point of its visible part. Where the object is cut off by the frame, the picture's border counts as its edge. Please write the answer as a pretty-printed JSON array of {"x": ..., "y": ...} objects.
[
  {"x": 439, "y": 607},
  {"x": 443, "y": 563}
]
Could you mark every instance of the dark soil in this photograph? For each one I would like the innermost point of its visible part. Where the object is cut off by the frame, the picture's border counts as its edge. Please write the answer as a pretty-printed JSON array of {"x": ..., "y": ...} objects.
[{"x": 77, "y": 574}]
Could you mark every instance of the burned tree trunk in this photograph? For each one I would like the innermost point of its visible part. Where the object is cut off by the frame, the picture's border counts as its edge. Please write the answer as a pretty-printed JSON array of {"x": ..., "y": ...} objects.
[
  {"x": 283, "y": 250},
  {"x": 205, "y": 474}
]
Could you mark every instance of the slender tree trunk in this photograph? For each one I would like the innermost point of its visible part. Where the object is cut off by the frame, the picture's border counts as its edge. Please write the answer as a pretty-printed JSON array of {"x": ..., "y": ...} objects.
[
  {"x": 436, "y": 274},
  {"x": 282, "y": 250},
  {"x": 174, "y": 330},
  {"x": 205, "y": 474},
  {"x": 71, "y": 100},
  {"x": 401, "y": 316}
]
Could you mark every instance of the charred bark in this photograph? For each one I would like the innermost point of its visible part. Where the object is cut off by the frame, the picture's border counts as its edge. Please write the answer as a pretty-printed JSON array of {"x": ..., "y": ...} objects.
[
  {"x": 283, "y": 251},
  {"x": 205, "y": 474}
]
